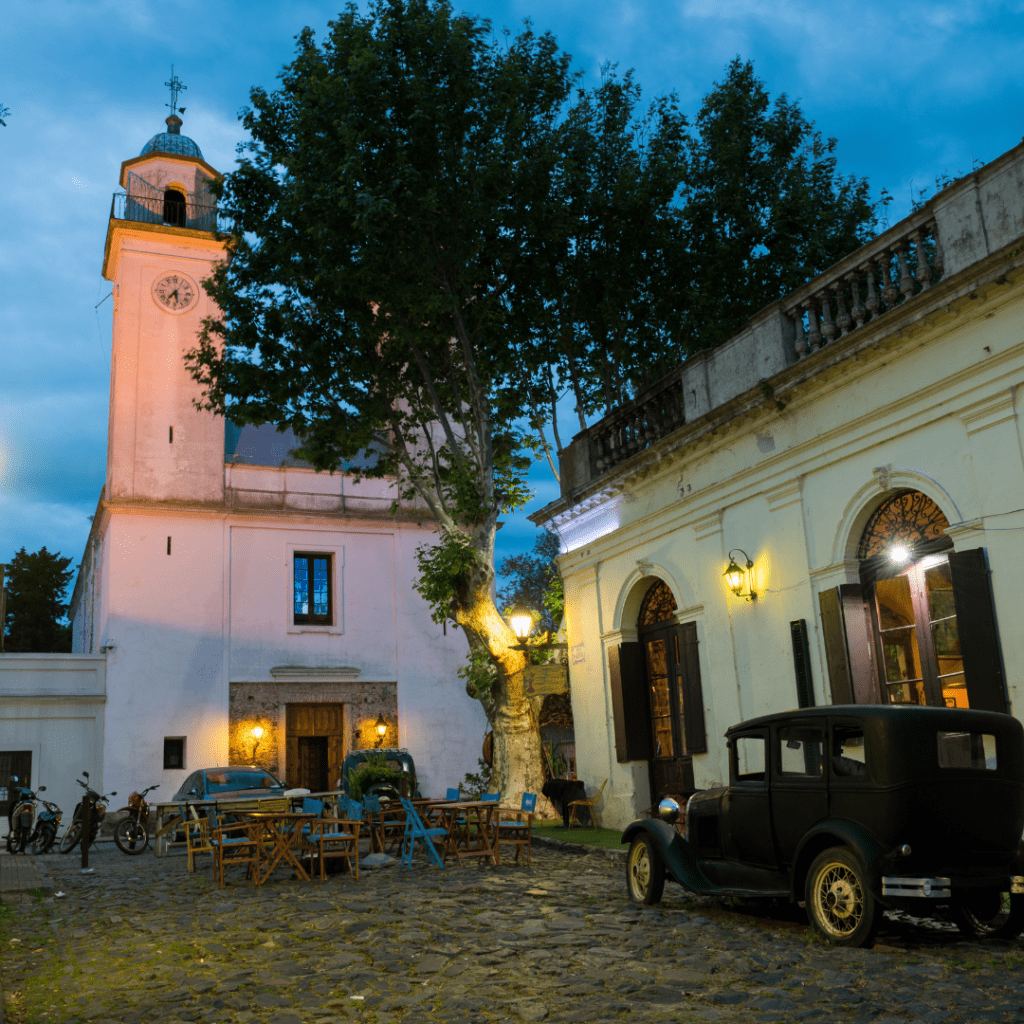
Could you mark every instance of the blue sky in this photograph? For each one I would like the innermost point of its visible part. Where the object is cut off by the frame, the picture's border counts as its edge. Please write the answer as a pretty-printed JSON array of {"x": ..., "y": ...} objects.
[{"x": 910, "y": 90}]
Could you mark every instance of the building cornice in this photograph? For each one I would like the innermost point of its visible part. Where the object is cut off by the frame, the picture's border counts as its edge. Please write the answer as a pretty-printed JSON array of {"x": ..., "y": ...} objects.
[{"x": 118, "y": 231}]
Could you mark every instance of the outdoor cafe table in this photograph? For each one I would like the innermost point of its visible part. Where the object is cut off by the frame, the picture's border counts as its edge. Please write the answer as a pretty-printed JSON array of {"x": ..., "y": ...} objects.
[
  {"x": 471, "y": 825},
  {"x": 282, "y": 831}
]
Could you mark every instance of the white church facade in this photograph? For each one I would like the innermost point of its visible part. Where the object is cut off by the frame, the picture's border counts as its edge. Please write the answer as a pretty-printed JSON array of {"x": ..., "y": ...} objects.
[{"x": 245, "y": 608}]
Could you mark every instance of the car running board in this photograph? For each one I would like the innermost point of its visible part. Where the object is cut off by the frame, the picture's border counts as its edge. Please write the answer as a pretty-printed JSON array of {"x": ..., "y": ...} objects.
[{"x": 688, "y": 873}]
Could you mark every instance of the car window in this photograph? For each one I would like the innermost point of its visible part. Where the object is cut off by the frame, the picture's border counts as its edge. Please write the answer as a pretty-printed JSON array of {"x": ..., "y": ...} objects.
[
  {"x": 748, "y": 758},
  {"x": 228, "y": 781},
  {"x": 848, "y": 753},
  {"x": 967, "y": 750},
  {"x": 799, "y": 751}
]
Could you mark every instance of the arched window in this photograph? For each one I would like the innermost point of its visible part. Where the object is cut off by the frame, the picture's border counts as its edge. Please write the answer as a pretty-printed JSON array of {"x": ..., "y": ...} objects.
[
  {"x": 905, "y": 571},
  {"x": 174, "y": 207}
]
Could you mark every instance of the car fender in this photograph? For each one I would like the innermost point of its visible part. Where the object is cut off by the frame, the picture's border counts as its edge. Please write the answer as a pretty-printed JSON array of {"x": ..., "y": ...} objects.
[{"x": 838, "y": 832}]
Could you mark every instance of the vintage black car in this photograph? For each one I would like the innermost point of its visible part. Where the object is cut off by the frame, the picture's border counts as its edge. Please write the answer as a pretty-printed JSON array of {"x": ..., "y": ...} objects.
[{"x": 852, "y": 810}]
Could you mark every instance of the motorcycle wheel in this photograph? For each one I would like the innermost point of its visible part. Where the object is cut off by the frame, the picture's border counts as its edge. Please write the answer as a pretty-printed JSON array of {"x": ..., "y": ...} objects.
[
  {"x": 43, "y": 841},
  {"x": 131, "y": 837},
  {"x": 16, "y": 840},
  {"x": 70, "y": 838}
]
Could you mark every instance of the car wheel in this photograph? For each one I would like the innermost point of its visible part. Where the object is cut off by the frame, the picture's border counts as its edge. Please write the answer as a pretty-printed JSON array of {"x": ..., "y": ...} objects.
[
  {"x": 840, "y": 906},
  {"x": 70, "y": 838},
  {"x": 645, "y": 872},
  {"x": 988, "y": 913}
]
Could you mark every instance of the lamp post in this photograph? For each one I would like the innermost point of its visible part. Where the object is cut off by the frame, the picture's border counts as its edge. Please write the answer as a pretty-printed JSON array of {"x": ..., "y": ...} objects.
[
  {"x": 521, "y": 621},
  {"x": 257, "y": 735}
]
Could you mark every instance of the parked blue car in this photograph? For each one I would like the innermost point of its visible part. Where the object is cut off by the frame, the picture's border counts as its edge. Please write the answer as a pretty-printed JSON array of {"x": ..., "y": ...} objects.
[{"x": 231, "y": 783}]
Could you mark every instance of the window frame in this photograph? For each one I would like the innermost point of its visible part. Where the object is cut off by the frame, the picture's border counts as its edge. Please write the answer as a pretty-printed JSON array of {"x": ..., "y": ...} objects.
[
  {"x": 336, "y": 579},
  {"x": 183, "y": 740},
  {"x": 311, "y": 618}
]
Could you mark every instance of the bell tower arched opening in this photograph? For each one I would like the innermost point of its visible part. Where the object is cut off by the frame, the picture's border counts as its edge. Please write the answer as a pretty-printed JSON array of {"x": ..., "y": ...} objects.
[{"x": 174, "y": 207}]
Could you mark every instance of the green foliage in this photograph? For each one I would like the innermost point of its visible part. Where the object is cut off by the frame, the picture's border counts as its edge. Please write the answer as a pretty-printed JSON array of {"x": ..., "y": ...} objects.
[
  {"x": 478, "y": 782},
  {"x": 443, "y": 569},
  {"x": 534, "y": 583},
  {"x": 480, "y": 673},
  {"x": 373, "y": 769},
  {"x": 36, "y": 584}
]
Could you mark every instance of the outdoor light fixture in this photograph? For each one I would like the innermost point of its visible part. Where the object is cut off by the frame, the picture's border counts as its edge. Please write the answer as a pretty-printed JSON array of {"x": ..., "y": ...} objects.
[
  {"x": 257, "y": 735},
  {"x": 735, "y": 576},
  {"x": 522, "y": 622},
  {"x": 899, "y": 554},
  {"x": 382, "y": 729}
]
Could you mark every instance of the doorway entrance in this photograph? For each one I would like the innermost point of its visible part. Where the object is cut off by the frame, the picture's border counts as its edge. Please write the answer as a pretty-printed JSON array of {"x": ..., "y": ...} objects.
[{"x": 314, "y": 745}]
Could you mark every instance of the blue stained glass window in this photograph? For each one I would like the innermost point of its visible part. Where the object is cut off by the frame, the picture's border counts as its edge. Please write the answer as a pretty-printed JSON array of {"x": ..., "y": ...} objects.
[{"x": 312, "y": 588}]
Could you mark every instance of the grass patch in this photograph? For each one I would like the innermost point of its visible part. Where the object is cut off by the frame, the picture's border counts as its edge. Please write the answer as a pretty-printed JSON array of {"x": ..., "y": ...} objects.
[{"x": 609, "y": 838}]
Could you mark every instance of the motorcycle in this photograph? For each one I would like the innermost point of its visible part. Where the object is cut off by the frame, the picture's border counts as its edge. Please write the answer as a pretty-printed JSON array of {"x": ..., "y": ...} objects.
[
  {"x": 20, "y": 815},
  {"x": 72, "y": 837},
  {"x": 47, "y": 823},
  {"x": 132, "y": 834}
]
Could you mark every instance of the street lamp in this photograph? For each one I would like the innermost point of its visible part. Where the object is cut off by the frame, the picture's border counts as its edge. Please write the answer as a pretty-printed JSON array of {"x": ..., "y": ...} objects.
[
  {"x": 521, "y": 621},
  {"x": 382, "y": 729},
  {"x": 257, "y": 735},
  {"x": 735, "y": 576}
]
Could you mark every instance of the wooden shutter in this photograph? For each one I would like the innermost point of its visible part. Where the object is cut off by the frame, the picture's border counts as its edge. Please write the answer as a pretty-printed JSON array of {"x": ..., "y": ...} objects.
[
  {"x": 629, "y": 702},
  {"x": 802, "y": 663},
  {"x": 848, "y": 644},
  {"x": 979, "y": 637},
  {"x": 693, "y": 695}
]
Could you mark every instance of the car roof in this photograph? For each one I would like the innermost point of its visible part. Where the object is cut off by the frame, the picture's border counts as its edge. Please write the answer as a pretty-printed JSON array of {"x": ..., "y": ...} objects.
[{"x": 900, "y": 715}]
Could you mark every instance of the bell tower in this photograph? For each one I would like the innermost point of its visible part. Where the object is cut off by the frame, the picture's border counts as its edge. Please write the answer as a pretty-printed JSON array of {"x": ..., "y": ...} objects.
[{"x": 161, "y": 244}]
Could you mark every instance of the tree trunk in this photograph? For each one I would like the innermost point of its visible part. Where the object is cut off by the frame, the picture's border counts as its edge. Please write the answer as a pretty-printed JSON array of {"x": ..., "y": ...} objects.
[{"x": 518, "y": 764}]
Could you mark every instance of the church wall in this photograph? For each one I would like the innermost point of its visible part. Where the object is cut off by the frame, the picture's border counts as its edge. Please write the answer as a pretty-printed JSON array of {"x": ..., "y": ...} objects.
[{"x": 937, "y": 412}]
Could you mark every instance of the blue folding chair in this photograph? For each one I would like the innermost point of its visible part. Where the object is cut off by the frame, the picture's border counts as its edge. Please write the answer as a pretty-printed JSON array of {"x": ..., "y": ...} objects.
[
  {"x": 452, "y": 795},
  {"x": 387, "y": 829},
  {"x": 415, "y": 829},
  {"x": 518, "y": 830},
  {"x": 491, "y": 798}
]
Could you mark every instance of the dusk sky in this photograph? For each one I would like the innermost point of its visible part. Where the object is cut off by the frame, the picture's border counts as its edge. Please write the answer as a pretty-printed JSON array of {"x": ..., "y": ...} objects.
[{"x": 910, "y": 90}]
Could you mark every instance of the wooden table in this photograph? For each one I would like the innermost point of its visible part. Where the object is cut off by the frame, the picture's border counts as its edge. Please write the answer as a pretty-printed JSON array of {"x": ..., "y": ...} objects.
[
  {"x": 282, "y": 832},
  {"x": 473, "y": 835}
]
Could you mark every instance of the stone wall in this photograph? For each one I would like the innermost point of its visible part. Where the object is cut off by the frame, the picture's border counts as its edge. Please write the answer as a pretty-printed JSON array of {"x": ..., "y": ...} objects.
[{"x": 263, "y": 704}]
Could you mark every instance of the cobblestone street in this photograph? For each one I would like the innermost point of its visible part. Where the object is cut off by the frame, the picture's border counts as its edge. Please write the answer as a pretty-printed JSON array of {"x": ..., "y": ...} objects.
[{"x": 141, "y": 940}]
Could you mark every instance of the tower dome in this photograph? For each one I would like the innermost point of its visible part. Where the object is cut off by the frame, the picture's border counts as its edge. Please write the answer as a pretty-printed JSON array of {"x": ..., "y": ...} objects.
[{"x": 172, "y": 141}]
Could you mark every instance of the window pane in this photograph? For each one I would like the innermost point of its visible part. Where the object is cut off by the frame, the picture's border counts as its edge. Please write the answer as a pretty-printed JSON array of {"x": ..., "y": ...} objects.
[
  {"x": 946, "y": 635},
  {"x": 800, "y": 751},
  {"x": 301, "y": 586},
  {"x": 320, "y": 586},
  {"x": 895, "y": 607},
  {"x": 967, "y": 750},
  {"x": 750, "y": 757},
  {"x": 661, "y": 708},
  {"x": 848, "y": 758}
]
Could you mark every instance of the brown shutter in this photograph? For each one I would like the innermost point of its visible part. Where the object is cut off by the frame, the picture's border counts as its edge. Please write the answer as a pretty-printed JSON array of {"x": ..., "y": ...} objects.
[
  {"x": 629, "y": 702},
  {"x": 979, "y": 636},
  {"x": 844, "y": 625},
  {"x": 802, "y": 663},
  {"x": 693, "y": 695}
]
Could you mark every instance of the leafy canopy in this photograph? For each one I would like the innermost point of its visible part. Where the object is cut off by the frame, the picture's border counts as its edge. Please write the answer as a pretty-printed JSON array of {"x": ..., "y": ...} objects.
[{"x": 36, "y": 584}]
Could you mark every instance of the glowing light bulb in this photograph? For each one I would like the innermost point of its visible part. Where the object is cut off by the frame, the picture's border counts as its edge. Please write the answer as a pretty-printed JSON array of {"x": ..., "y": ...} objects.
[{"x": 899, "y": 554}]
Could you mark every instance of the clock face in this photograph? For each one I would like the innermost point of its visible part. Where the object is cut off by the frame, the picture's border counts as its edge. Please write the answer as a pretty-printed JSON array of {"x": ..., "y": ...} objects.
[{"x": 175, "y": 293}]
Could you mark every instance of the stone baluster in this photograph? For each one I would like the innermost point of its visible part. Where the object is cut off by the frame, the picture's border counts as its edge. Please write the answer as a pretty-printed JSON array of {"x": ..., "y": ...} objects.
[
  {"x": 924, "y": 272},
  {"x": 843, "y": 319},
  {"x": 814, "y": 331},
  {"x": 828, "y": 327},
  {"x": 937, "y": 262},
  {"x": 873, "y": 303},
  {"x": 858, "y": 310},
  {"x": 906, "y": 281},
  {"x": 799, "y": 338},
  {"x": 889, "y": 292}
]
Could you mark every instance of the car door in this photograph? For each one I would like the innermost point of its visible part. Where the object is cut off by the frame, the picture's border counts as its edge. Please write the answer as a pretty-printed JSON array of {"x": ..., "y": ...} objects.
[
  {"x": 746, "y": 810},
  {"x": 799, "y": 791}
]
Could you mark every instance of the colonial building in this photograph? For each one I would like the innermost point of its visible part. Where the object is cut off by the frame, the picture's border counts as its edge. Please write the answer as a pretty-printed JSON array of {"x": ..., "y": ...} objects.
[
  {"x": 826, "y": 508},
  {"x": 249, "y": 609}
]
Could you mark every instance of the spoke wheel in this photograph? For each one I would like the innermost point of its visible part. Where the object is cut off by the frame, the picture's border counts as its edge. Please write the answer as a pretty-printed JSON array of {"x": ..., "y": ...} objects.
[
  {"x": 645, "y": 872},
  {"x": 839, "y": 903},
  {"x": 70, "y": 838},
  {"x": 131, "y": 837},
  {"x": 988, "y": 913},
  {"x": 16, "y": 840}
]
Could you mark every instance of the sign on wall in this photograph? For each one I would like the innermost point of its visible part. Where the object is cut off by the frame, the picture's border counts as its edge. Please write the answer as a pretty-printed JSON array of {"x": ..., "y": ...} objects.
[{"x": 540, "y": 680}]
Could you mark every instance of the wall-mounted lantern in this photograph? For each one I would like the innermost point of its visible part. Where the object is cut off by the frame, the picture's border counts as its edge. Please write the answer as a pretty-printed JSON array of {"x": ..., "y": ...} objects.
[
  {"x": 382, "y": 729},
  {"x": 257, "y": 735},
  {"x": 521, "y": 621},
  {"x": 736, "y": 576}
]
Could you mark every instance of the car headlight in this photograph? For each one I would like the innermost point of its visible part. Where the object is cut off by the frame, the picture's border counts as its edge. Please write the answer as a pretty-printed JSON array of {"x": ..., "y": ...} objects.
[{"x": 668, "y": 810}]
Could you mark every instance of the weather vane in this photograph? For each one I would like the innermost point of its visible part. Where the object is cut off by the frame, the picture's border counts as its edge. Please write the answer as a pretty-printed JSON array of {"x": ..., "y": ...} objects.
[{"x": 175, "y": 86}]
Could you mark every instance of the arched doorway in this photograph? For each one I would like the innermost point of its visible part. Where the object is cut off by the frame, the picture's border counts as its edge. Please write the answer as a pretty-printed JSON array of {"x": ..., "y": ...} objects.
[
  {"x": 174, "y": 207},
  {"x": 919, "y": 627},
  {"x": 675, "y": 701}
]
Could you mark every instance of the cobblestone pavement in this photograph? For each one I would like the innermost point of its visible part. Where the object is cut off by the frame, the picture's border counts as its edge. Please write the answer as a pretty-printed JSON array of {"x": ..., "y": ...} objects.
[{"x": 141, "y": 940}]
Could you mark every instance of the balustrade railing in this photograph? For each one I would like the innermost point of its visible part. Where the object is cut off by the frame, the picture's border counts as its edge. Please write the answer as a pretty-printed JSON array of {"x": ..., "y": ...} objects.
[
  {"x": 894, "y": 267},
  {"x": 632, "y": 427},
  {"x": 157, "y": 210}
]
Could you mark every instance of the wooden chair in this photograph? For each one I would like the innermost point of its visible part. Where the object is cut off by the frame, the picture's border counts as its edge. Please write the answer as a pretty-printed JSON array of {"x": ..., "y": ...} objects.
[
  {"x": 416, "y": 830},
  {"x": 197, "y": 834},
  {"x": 517, "y": 830},
  {"x": 453, "y": 795},
  {"x": 387, "y": 827},
  {"x": 235, "y": 844},
  {"x": 575, "y": 805},
  {"x": 335, "y": 837}
]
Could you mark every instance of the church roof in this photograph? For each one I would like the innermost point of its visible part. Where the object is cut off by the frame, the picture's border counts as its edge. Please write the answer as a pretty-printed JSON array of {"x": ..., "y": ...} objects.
[{"x": 172, "y": 141}]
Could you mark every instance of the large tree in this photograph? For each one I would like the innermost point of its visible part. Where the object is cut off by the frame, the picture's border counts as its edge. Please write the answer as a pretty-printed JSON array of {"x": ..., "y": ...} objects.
[
  {"x": 440, "y": 233},
  {"x": 36, "y": 584}
]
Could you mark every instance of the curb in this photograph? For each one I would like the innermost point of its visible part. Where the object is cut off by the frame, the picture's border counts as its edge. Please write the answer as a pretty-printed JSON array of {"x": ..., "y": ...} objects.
[{"x": 561, "y": 844}]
